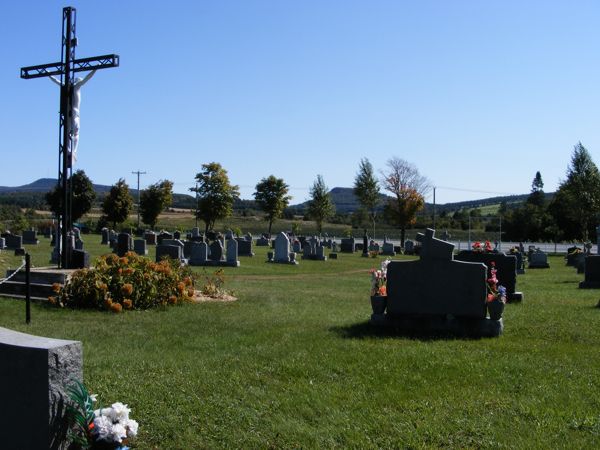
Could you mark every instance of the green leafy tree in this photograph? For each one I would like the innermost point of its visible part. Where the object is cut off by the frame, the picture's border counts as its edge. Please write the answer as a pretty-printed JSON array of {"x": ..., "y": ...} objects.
[
  {"x": 366, "y": 189},
  {"x": 320, "y": 206},
  {"x": 408, "y": 188},
  {"x": 271, "y": 196},
  {"x": 118, "y": 203},
  {"x": 83, "y": 196},
  {"x": 215, "y": 194},
  {"x": 576, "y": 203},
  {"x": 154, "y": 200}
]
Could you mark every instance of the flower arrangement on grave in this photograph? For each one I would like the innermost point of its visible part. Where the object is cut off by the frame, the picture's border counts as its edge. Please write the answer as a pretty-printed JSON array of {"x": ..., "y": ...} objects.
[
  {"x": 373, "y": 254},
  {"x": 575, "y": 251},
  {"x": 482, "y": 248},
  {"x": 129, "y": 282},
  {"x": 514, "y": 250},
  {"x": 103, "y": 428},
  {"x": 378, "y": 279},
  {"x": 494, "y": 290},
  {"x": 496, "y": 294}
]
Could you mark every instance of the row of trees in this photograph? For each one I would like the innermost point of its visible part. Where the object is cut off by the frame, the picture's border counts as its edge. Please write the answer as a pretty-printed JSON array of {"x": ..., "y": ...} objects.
[
  {"x": 117, "y": 204},
  {"x": 571, "y": 214}
]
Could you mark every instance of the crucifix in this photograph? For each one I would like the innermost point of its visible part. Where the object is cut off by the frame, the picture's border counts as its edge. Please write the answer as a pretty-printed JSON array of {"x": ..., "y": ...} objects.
[{"x": 69, "y": 114}]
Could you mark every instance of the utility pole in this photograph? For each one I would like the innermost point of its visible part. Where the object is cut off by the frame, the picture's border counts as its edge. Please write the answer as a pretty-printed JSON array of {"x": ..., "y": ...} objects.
[
  {"x": 138, "y": 191},
  {"x": 66, "y": 68},
  {"x": 196, "y": 214},
  {"x": 434, "y": 207}
]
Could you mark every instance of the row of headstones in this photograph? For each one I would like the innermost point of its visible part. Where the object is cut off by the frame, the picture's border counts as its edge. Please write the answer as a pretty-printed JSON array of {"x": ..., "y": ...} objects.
[
  {"x": 191, "y": 252},
  {"x": 349, "y": 245}
]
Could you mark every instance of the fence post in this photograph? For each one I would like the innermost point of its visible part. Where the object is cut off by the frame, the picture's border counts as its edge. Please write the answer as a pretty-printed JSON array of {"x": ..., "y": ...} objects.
[{"x": 27, "y": 289}]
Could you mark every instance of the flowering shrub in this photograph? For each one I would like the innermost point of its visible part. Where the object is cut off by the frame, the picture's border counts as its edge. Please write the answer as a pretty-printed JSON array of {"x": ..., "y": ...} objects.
[
  {"x": 128, "y": 282},
  {"x": 494, "y": 290},
  {"x": 100, "y": 428},
  {"x": 485, "y": 247},
  {"x": 378, "y": 279}
]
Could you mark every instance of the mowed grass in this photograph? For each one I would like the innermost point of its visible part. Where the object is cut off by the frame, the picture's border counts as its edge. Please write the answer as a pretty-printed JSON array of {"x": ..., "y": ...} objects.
[{"x": 293, "y": 363}]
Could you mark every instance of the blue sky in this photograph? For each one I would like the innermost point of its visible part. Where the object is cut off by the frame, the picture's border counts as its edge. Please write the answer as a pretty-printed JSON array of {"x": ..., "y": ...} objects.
[{"x": 478, "y": 95}]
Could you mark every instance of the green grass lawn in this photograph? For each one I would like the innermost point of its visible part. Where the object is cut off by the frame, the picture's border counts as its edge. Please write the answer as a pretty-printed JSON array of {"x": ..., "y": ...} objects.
[{"x": 294, "y": 364}]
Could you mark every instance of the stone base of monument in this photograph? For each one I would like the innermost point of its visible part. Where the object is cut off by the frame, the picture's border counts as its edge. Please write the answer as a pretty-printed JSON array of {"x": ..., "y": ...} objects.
[
  {"x": 515, "y": 297},
  {"x": 537, "y": 266},
  {"x": 210, "y": 263},
  {"x": 589, "y": 285},
  {"x": 434, "y": 324},
  {"x": 41, "y": 280}
]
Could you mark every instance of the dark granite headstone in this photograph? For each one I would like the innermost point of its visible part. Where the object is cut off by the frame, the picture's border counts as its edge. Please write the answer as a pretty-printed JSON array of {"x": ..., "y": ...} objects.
[
  {"x": 506, "y": 266},
  {"x": 592, "y": 273},
  {"x": 170, "y": 251},
  {"x": 124, "y": 243},
  {"x": 348, "y": 245}
]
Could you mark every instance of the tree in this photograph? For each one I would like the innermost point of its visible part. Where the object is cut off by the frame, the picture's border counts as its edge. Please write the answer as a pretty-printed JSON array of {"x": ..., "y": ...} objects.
[
  {"x": 366, "y": 189},
  {"x": 83, "y": 196},
  {"x": 320, "y": 206},
  {"x": 577, "y": 201},
  {"x": 408, "y": 187},
  {"x": 271, "y": 196},
  {"x": 154, "y": 200},
  {"x": 537, "y": 197},
  {"x": 118, "y": 203},
  {"x": 215, "y": 194}
]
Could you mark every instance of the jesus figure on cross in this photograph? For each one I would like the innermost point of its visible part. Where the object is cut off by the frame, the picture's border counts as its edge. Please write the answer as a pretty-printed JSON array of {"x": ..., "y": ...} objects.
[{"x": 72, "y": 122}]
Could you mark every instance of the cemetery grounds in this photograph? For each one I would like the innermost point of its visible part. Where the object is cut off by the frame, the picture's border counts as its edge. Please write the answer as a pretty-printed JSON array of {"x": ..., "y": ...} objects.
[{"x": 294, "y": 363}]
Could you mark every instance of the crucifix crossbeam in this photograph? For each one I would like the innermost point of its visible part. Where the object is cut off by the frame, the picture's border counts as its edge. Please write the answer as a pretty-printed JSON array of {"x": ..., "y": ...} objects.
[
  {"x": 69, "y": 117},
  {"x": 79, "y": 65}
]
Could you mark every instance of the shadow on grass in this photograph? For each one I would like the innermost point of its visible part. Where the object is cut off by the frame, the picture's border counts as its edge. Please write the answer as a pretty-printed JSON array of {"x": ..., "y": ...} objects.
[{"x": 366, "y": 330}]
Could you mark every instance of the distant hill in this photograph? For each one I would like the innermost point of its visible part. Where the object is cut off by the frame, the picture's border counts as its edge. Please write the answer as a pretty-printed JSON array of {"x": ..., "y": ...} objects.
[
  {"x": 32, "y": 196},
  {"x": 344, "y": 200}
]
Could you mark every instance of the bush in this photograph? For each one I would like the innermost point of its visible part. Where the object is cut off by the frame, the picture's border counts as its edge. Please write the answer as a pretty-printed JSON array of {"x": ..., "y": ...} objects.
[{"x": 129, "y": 282}]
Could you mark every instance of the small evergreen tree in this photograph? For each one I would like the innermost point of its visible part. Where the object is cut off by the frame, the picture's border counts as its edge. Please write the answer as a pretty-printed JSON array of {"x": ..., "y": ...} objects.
[{"x": 366, "y": 189}]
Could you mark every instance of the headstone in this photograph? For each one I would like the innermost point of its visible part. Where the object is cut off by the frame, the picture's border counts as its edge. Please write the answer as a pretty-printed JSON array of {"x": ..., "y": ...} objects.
[
  {"x": 30, "y": 237},
  {"x": 506, "y": 266},
  {"x": 139, "y": 246},
  {"x": 216, "y": 251},
  {"x": 124, "y": 244},
  {"x": 34, "y": 375},
  {"x": 414, "y": 300},
  {"x": 409, "y": 247},
  {"x": 199, "y": 254},
  {"x": 76, "y": 232},
  {"x": 348, "y": 245},
  {"x": 78, "y": 244},
  {"x": 244, "y": 247},
  {"x": 572, "y": 254},
  {"x": 263, "y": 242},
  {"x": 282, "y": 248},
  {"x": 105, "y": 236},
  {"x": 229, "y": 234},
  {"x": 592, "y": 273},
  {"x": 333, "y": 256},
  {"x": 150, "y": 238},
  {"x": 296, "y": 246},
  {"x": 537, "y": 260},
  {"x": 248, "y": 237},
  {"x": 334, "y": 247},
  {"x": 388, "y": 249},
  {"x": 320, "y": 253},
  {"x": 187, "y": 248},
  {"x": 173, "y": 242},
  {"x": 177, "y": 235},
  {"x": 2, "y": 244},
  {"x": 171, "y": 251},
  {"x": 163, "y": 235},
  {"x": 13, "y": 242},
  {"x": 232, "y": 253},
  {"x": 80, "y": 260}
]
